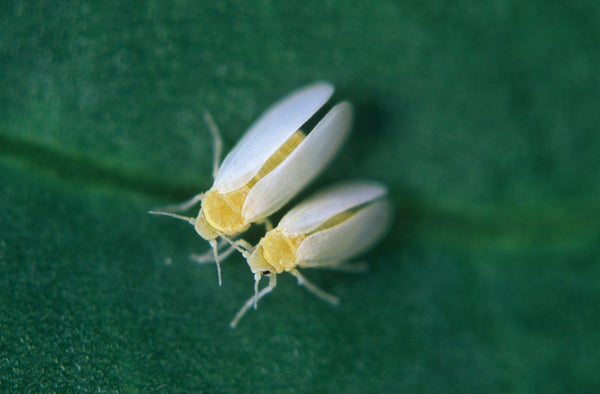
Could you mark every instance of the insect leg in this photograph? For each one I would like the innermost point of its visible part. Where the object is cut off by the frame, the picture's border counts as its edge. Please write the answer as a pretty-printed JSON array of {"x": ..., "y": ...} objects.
[
  {"x": 244, "y": 309},
  {"x": 314, "y": 289},
  {"x": 217, "y": 141},
  {"x": 240, "y": 245},
  {"x": 209, "y": 257},
  {"x": 215, "y": 249}
]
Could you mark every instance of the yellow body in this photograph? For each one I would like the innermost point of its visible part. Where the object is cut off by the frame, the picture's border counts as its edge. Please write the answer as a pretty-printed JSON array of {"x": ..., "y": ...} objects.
[
  {"x": 221, "y": 213},
  {"x": 277, "y": 252}
]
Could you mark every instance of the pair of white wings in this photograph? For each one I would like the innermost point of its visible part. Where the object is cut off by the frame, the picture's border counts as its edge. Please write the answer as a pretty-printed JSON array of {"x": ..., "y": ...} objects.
[
  {"x": 268, "y": 134},
  {"x": 348, "y": 238}
]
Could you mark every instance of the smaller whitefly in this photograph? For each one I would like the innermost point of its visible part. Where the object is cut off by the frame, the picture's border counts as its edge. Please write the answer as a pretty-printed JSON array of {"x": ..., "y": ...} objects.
[{"x": 324, "y": 231}]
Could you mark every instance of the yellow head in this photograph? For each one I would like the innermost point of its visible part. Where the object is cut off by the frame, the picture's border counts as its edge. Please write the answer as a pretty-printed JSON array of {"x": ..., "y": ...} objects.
[{"x": 203, "y": 228}]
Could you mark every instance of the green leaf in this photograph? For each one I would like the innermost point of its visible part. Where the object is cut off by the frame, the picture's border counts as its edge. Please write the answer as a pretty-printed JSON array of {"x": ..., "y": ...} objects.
[{"x": 481, "y": 117}]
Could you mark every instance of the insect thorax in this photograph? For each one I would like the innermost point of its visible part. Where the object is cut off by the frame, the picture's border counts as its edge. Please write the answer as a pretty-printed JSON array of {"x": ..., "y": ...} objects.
[
  {"x": 278, "y": 250},
  {"x": 223, "y": 212}
]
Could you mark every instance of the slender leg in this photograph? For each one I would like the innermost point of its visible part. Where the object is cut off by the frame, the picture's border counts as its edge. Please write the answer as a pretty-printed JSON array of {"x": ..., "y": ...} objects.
[
  {"x": 215, "y": 249},
  {"x": 241, "y": 246},
  {"x": 356, "y": 267},
  {"x": 209, "y": 256},
  {"x": 244, "y": 247},
  {"x": 213, "y": 256},
  {"x": 217, "y": 141},
  {"x": 244, "y": 309},
  {"x": 184, "y": 206},
  {"x": 314, "y": 289}
]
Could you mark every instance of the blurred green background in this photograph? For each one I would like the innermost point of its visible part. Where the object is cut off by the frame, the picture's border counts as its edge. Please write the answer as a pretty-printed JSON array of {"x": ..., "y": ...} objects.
[{"x": 482, "y": 117}]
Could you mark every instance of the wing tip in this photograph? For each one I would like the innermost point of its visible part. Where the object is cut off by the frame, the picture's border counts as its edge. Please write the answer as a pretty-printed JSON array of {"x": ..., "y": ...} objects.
[
  {"x": 378, "y": 189},
  {"x": 319, "y": 88}
]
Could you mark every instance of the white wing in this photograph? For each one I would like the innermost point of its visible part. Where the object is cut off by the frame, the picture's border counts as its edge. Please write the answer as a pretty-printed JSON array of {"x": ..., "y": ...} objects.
[
  {"x": 349, "y": 238},
  {"x": 311, "y": 213},
  {"x": 301, "y": 166},
  {"x": 268, "y": 133}
]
